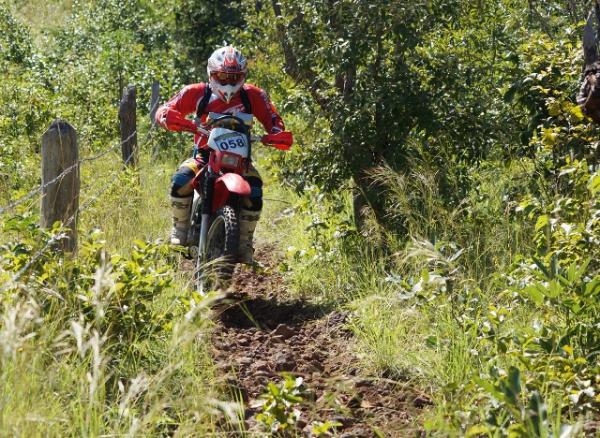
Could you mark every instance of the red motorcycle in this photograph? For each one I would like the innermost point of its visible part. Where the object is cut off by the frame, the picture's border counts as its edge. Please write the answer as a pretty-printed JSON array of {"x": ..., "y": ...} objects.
[{"x": 214, "y": 233}]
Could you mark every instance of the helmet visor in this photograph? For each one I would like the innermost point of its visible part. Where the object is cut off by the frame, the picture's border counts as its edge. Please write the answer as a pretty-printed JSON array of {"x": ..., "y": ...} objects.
[{"x": 225, "y": 78}]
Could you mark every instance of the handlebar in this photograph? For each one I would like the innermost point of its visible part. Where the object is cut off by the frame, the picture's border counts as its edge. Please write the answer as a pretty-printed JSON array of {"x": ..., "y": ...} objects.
[{"x": 282, "y": 140}]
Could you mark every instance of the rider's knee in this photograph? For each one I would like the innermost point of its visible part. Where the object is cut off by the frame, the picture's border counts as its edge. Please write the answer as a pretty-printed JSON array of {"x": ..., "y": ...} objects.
[
  {"x": 180, "y": 183},
  {"x": 254, "y": 202}
]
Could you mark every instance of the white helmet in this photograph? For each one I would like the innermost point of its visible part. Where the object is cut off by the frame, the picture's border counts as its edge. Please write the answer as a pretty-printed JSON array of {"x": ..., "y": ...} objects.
[{"x": 226, "y": 70}]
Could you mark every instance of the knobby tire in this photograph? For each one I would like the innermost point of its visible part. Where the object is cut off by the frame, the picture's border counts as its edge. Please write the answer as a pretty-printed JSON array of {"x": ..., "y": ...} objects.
[{"x": 222, "y": 248}]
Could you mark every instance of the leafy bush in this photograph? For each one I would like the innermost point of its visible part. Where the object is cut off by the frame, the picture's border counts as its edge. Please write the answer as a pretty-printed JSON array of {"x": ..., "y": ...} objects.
[{"x": 119, "y": 306}]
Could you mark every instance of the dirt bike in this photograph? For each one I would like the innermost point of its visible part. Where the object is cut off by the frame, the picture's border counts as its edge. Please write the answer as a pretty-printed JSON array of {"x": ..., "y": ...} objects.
[{"x": 219, "y": 188}]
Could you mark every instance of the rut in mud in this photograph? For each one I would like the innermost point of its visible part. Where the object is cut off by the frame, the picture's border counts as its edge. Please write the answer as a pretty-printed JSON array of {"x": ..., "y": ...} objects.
[{"x": 261, "y": 335}]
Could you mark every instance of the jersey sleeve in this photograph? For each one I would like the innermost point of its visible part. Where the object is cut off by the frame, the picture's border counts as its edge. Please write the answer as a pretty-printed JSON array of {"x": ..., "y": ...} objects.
[
  {"x": 264, "y": 110},
  {"x": 172, "y": 115}
]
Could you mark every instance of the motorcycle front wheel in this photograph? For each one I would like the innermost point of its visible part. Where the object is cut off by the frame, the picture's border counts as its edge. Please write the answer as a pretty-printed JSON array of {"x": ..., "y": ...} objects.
[{"x": 215, "y": 268}]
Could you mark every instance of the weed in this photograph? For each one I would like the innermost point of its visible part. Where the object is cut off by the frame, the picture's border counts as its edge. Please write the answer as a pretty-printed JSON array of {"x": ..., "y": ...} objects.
[{"x": 279, "y": 411}]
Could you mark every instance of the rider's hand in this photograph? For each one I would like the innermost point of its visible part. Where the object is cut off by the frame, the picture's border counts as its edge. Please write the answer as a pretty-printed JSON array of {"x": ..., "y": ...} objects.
[
  {"x": 174, "y": 121},
  {"x": 282, "y": 140}
]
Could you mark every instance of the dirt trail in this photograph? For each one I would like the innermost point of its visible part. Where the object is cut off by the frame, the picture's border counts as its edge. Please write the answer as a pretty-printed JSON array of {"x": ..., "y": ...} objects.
[{"x": 261, "y": 335}]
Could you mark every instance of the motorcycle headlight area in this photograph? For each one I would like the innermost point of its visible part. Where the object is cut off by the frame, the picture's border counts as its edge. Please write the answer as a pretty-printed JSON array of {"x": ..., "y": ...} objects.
[{"x": 230, "y": 160}]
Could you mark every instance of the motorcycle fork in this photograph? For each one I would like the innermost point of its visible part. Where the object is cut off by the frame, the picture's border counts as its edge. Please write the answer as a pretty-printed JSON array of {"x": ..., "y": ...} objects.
[{"x": 206, "y": 212}]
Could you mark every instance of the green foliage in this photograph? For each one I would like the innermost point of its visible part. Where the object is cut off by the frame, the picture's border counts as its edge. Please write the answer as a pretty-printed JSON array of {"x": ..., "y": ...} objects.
[
  {"x": 279, "y": 402},
  {"x": 123, "y": 310},
  {"x": 324, "y": 429},
  {"x": 519, "y": 419},
  {"x": 201, "y": 27},
  {"x": 107, "y": 334},
  {"x": 350, "y": 57},
  {"x": 440, "y": 82},
  {"x": 15, "y": 41},
  {"x": 456, "y": 120},
  {"x": 505, "y": 280},
  {"x": 279, "y": 409}
]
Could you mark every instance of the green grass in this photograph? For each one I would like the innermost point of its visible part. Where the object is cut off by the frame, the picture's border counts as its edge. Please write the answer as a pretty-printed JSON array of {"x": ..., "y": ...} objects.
[
  {"x": 146, "y": 386},
  {"x": 42, "y": 17},
  {"x": 432, "y": 305},
  {"x": 421, "y": 311},
  {"x": 136, "y": 206}
]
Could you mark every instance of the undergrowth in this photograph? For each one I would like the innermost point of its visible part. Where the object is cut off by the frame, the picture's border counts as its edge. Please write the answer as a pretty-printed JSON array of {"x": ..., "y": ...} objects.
[
  {"x": 496, "y": 317},
  {"x": 478, "y": 282}
]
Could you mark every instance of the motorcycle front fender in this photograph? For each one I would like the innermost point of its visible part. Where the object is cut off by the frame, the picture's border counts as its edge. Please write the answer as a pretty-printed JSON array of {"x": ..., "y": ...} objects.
[{"x": 227, "y": 184}]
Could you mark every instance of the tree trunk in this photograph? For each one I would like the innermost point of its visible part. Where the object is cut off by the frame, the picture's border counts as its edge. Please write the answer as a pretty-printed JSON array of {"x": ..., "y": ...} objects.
[{"x": 367, "y": 194}]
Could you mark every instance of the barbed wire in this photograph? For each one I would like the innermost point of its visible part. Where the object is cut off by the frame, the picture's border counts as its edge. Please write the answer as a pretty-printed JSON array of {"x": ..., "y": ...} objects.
[
  {"x": 277, "y": 200},
  {"x": 81, "y": 209},
  {"x": 112, "y": 148},
  {"x": 65, "y": 172},
  {"x": 38, "y": 189}
]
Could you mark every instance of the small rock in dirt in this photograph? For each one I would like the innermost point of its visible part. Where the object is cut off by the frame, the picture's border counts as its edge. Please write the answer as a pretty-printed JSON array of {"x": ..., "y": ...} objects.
[
  {"x": 284, "y": 331},
  {"x": 284, "y": 361},
  {"x": 315, "y": 366},
  {"x": 363, "y": 383},
  {"x": 245, "y": 360},
  {"x": 355, "y": 401},
  {"x": 345, "y": 421},
  {"x": 258, "y": 336},
  {"x": 310, "y": 355},
  {"x": 421, "y": 401},
  {"x": 224, "y": 367},
  {"x": 261, "y": 365},
  {"x": 278, "y": 339},
  {"x": 362, "y": 431},
  {"x": 352, "y": 371},
  {"x": 217, "y": 345},
  {"x": 365, "y": 404},
  {"x": 338, "y": 317}
]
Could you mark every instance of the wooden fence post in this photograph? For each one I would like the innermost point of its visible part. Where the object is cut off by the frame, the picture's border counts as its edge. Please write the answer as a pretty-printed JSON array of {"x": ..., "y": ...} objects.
[
  {"x": 127, "y": 119},
  {"x": 60, "y": 200},
  {"x": 154, "y": 101}
]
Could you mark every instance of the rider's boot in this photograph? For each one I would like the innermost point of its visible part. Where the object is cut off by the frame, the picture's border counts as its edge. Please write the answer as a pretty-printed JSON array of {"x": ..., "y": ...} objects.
[
  {"x": 248, "y": 221},
  {"x": 181, "y": 219}
]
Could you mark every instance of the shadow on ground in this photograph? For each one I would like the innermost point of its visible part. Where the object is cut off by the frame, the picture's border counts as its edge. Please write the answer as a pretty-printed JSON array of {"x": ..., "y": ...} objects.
[{"x": 266, "y": 314}]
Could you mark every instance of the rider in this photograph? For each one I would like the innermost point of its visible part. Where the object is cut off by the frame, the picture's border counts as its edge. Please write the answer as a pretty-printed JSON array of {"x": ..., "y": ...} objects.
[{"x": 224, "y": 93}]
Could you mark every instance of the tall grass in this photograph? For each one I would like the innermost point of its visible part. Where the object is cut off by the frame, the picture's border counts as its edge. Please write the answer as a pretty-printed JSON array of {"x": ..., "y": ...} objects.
[
  {"x": 136, "y": 206},
  {"x": 65, "y": 370},
  {"x": 42, "y": 17},
  {"x": 418, "y": 303}
]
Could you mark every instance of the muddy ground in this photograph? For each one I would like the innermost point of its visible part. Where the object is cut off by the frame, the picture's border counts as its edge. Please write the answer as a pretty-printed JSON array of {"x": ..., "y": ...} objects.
[{"x": 260, "y": 335}]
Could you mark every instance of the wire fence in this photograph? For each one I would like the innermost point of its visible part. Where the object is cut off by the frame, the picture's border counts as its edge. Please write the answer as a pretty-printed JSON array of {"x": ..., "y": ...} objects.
[
  {"x": 64, "y": 173},
  {"x": 56, "y": 238}
]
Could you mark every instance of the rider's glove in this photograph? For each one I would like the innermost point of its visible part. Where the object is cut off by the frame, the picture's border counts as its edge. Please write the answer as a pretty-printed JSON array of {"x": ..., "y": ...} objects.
[
  {"x": 174, "y": 121},
  {"x": 282, "y": 140}
]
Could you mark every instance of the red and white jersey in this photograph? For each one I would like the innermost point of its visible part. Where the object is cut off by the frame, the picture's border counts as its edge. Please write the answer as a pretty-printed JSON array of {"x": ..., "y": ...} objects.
[{"x": 172, "y": 115}]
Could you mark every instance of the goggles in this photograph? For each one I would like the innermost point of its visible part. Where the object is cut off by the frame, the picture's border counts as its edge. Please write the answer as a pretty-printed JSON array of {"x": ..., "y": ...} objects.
[{"x": 225, "y": 78}]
